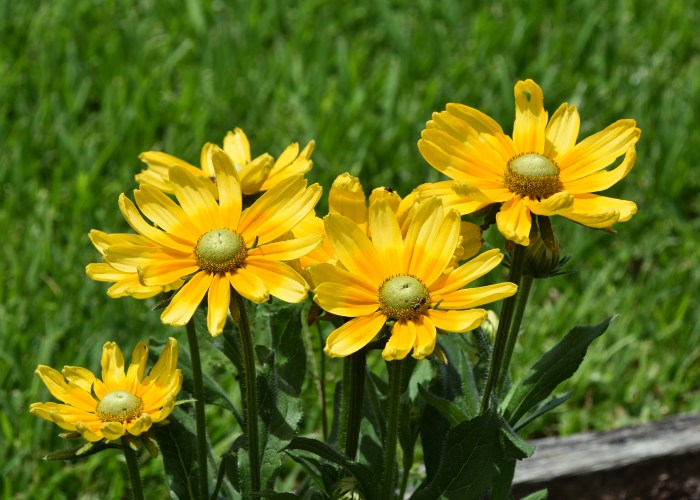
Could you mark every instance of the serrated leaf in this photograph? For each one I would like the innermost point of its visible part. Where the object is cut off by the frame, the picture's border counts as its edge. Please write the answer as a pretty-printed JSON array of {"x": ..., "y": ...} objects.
[
  {"x": 555, "y": 366},
  {"x": 362, "y": 473},
  {"x": 470, "y": 451}
]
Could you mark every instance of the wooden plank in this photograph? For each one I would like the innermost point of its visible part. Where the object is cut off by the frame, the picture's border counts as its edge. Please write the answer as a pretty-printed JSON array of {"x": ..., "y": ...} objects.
[{"x": 592, "y": 452}]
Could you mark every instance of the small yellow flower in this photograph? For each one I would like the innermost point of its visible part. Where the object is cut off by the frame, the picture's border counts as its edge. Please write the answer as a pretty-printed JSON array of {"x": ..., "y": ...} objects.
[
  {"x": 542, "y": 169},
  {"x": 215, "y": 245},
  {"x": 125, "y": 277},
  {"x": 405, "y": 279},
  {"x": 256, "y": 175},
  {"x": 121, "y": 403}
]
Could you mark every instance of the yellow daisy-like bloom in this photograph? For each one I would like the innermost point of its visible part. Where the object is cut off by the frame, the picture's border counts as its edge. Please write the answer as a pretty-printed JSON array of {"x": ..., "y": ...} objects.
[
  {"x": 406, "y": 280},
  {"x": 125, "y": 277},
  {"x": 217, "y": 245},
  {"x": 121, "y": 403},
  {"x": 541, "y": 170},
  {"x": 255, "y": 175}
]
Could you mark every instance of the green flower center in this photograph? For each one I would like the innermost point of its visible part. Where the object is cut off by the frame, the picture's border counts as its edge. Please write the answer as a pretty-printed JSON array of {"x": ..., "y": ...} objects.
[
  {"x": 532, "y": 175},
  {"x": 119, "y": 406},
  {"x": 220, "y": 250},
  {"x": 403, "y": 297}
]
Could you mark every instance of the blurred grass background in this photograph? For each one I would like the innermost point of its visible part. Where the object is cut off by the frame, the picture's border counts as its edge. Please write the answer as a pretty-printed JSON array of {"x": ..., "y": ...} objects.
[{"x": 86, "y": 86}]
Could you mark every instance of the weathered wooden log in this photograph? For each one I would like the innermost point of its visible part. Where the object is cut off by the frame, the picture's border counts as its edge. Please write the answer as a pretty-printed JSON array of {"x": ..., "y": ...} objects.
[{"x": 630, "y": 462}]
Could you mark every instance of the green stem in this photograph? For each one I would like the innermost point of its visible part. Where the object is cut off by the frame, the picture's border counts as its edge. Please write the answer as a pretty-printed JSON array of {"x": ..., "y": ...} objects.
[
  {"x": 133, "y": 467},
  {"x": 351, "y": 405},
  {"x": 523, "y": 295},
  {"x": 392, "y": 428},
  {"x": 322, "y": 384},
  {"x": 199, "y": 410},
  {"x": 496, "y": 366},
  {"x": 250, "y": 392}
]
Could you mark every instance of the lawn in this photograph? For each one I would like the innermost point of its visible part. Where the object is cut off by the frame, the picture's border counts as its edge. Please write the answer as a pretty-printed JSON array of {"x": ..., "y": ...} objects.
[{"x": 87, "y": 86}]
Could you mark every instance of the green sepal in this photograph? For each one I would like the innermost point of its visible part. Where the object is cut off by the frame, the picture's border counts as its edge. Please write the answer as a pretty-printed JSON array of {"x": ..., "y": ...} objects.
[{"x": 82, "y": 451}]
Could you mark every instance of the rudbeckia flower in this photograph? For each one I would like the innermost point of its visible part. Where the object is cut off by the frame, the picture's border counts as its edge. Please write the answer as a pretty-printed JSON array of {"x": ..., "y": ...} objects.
[
  {"x": 125, "y": 277},
  {"x": 406, "y": 280},
  {"x": 215, "y": 245},
  {"x": 118, "y": 404},
  {"x": 541, "y": 170},
  {"x": 255, "y": 175}
]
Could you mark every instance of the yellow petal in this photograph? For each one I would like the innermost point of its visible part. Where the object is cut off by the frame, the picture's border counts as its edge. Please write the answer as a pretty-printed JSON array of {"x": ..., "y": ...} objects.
[
  {"x": 599, "y": 211},
  {"x": 450, "y": 199},
  {"x": 90, "y": 431},
  {"x": 237, "y": 147},
  {"x": 165, "y": 213},
  {"x": 249, "y": 285},
  {"x": 134, "y": 375},
  {"x": 457, "y": 321},
  {"x": 219, "y": 299},
  {"x": 388, "y": 194},
  {"x": 196, "y": 200},
  {"x": 255, "y": 173},
  {"x": 113, "y": 375},
  {"x": 290, "y": 163},
  {"x": 402, "y": 340},
  {"x": 466, "y": 273},
  {"x": 164, "y": 273},
  {"x": 345, "y": 301},
  {"x": 473, "y": 192},
  {"x": 514, "y": 221},
  {"x": 229, "y": 189},
  {"x": 552, "y": 205},
  {"x": 562, "y": 131},
  {"x": 483, "y": 129},
  {"x": 278, "y": 210},
  {"x": 530, "y": 118},
  {"x": 354, "y": 335},
  {"x": 163, "y": 372},
  {"x": 473, "y": 297},
  {"x": 280, "y": 279},
  {"x": 79, "y": 377},
  {"x": 386, "y": 236},
  {"x": 472, "y": 240},
  {"x": 438, "y": 247},
  {"x": 603, "y": 179},
  {"x": 354, "y": 249},
  {"x": 112, "y": 430},
  {"x": 71, "y": 395},
  {"x": 287, "y": 249},
  {"x": 598, "y": 151},
  {"x": 322, "y": 273},
  {"x": 426, "y": 337},
  {"x": 133, "y": 217},
  {"x": 140, "y": 425},
  {"x": 346, "y": 197},
  {"x": 187, "y": 299}
]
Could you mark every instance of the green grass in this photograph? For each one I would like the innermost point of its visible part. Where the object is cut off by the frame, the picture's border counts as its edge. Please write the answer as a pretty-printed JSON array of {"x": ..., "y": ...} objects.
[{"x": 86, "y": 86}]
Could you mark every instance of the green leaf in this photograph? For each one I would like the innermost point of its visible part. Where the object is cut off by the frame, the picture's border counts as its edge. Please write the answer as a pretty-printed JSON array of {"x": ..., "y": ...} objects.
[
  {"x": 362, "y": 473},
  {"x": 470, "y": 451},
  {"x": 450, "y": 411},
  {"x": 555, "y": 366},
  {"x": 538, "y": 495},
  {"x": 543, "y": 408},
  {"x": 79, "y": 452},
  {"x": 503, "y": 479},
  {"x": 177, "y": 443}
]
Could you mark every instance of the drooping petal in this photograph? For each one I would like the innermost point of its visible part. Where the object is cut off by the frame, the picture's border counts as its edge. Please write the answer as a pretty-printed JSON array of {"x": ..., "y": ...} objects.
[
  {"x": 552, "y": 205},
  {"x": 280, "y": 279},
  {"x": 473, "y": 297},
  {"x": 530, "y": 118},
  {"x": 112, "y": 430},
  {"x": 457, "y": 321},
  {"x": 514, "y": 221},
  {"x": 599, "y": 211},
  {"x": 187, "y": 299},
  {"x": 402, "y": 340},
  {"x": 219, "y": 298},
  {"x": 603, "y": 179},
  {"x": 426, "y": 337},
  {"x": 386, "y": 236},
  {"x": 346, "y": 300},
  {"x": 249, "y": 285},
  {"x": 598, "y": 151},
  {"x": 562, "y": 131},
  {"x": 140, "y": 425},
  {"x": 354, "y": 335},
  {"x": 466, "y": 273},
  {"x": 354, "y": 249}
]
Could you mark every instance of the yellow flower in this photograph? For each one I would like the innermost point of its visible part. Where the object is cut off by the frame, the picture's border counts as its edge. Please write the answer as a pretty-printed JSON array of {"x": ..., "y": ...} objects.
[
  {"x": 541, "y": 170},
  {"x": 214, "y": 246},
  {"x": 125, "y": 277},
  {"x": 402, "y": 279},
  {"x": 121, "y": 403},
  {"x": 255, "y": 175}
]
